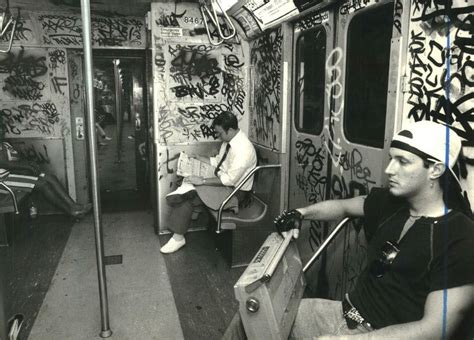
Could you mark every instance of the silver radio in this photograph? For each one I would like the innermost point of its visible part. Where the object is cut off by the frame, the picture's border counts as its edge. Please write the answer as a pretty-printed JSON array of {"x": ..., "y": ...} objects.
[{"x": 270, "y": 289}]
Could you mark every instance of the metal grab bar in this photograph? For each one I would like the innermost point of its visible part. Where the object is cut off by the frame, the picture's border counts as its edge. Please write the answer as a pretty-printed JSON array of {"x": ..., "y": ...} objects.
[
  {"x": 203, "y": 9},
  {"x": 206, "y": 13},
  {"x": 237, "y": 188},
  {"x": 324, "y": 245},
  {"x": 11, "y": 36},
  {"x": 12, "y": 194},
  {"x": 11, "y": 20}
]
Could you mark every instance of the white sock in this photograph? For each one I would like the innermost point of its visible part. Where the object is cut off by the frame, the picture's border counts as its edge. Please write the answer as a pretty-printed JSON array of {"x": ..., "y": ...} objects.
[{"x": 178, "y": 237}]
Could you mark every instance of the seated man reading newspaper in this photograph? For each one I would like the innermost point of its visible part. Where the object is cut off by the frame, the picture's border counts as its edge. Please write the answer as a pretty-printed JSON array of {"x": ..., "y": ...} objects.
[{"x": 209, "y": 180}]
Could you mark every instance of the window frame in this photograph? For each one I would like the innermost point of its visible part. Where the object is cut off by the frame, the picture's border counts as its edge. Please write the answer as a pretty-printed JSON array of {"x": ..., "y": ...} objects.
[
  {"x": 299, "y": 98},
  {"x": 349, "y": 90}
]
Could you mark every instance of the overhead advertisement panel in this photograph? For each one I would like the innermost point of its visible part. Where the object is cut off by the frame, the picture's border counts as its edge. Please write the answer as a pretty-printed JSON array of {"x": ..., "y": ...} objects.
[
  {"x": 255, "y": 16},
  {"x": 303, "y": 5}
]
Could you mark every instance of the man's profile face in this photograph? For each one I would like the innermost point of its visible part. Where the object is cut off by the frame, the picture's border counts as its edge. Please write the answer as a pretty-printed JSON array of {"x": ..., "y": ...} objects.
[
  {"x": 223, "y": 135},
  {"x": 407, "y": 175}
]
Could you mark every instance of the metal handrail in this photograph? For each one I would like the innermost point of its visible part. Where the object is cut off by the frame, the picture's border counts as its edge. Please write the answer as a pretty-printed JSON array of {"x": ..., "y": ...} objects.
[
  {"x": 12, "y": 194},
  {"x": 323, "y": 246},
  {"x": 12, "y": 20},
  {"x": 205, "y": 12},
  {"x": 237, "y": 188},
  {"x": 204, "y": 8}
]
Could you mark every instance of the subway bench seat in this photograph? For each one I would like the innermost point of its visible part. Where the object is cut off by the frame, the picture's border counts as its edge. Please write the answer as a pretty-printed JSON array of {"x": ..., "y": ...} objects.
[{"x": 240, "y": 235}]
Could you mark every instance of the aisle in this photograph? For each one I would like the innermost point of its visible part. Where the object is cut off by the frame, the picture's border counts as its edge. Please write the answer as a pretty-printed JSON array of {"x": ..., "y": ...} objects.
[
  {"x": 202, "y": 285},
  {"x": 141, "y": 303}
]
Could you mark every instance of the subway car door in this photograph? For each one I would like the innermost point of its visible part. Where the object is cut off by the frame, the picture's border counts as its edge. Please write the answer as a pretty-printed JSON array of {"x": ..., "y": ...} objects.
[
  {"x": 355, "y": 133},
  {"x": 120, "y": 101},
  {"x": 358, "y": 124},
  {"x": 313, "y": 38}
]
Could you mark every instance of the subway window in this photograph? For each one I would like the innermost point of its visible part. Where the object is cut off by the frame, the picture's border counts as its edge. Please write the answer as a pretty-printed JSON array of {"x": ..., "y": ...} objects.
[
  {"x": 309, "y": 96},
  {"x": 368, "y": 57}
]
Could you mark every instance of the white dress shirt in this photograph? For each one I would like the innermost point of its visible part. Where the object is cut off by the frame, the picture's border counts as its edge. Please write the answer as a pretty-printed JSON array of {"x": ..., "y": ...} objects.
[{"x": 240, "y": 160}]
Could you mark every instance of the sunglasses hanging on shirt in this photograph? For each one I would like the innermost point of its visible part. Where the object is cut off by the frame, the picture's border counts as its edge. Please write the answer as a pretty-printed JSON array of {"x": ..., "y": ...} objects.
[{"x": 387, "y": 255}]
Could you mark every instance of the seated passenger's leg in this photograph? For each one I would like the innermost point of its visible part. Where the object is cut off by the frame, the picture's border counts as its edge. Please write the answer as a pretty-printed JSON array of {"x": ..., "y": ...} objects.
[
  {"x": 75, "y": 209},
  {"x": 315, "y": 317},
  {"x": 318, "y": 317},
  {"x": 54, "y": 192},
  {"x": 179, "y": 221}
]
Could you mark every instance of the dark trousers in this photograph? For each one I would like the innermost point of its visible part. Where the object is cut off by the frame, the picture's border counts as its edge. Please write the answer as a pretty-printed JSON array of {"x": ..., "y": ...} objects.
[{"x": 182, "y": 211}]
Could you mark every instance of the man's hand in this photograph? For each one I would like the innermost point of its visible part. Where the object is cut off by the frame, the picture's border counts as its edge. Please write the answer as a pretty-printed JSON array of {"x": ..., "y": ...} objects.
[
  {"x": 196, "y": 180},
  {"x": 288, "y": 220}
]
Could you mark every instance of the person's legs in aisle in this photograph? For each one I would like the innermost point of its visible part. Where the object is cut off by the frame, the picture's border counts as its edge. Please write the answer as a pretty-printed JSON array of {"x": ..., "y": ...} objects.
[
  {"x": 102, "y": 135},
  {"x": 53, "y": 190},
  {"x": 180, "y": 220}
]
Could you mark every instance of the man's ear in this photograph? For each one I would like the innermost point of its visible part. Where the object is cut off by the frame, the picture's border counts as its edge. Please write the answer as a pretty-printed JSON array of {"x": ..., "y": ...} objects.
[{"x": 437, "y": 170}]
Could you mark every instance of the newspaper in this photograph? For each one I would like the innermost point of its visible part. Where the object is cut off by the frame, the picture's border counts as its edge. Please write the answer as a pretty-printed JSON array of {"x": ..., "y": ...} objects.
[
  {"x": 188, "y": 166},
  {"x": 182, "y": 189}
]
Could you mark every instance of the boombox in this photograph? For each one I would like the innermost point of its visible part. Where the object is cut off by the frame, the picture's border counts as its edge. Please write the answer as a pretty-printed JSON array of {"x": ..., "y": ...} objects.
[{"x": 270, "y": 289}]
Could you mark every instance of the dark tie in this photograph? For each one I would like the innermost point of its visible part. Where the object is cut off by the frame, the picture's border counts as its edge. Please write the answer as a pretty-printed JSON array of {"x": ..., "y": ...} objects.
[{"x": 227, "y": 148}]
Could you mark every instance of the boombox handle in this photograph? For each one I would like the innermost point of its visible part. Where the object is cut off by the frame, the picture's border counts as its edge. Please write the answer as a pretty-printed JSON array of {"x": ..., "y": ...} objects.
[{"x": 323, "y": 246}]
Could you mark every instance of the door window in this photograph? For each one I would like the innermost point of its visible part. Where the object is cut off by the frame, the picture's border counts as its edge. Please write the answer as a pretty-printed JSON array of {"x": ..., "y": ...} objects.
[
  {"x": 368, "y": 56},
  {"x": 309, "y": 96}
]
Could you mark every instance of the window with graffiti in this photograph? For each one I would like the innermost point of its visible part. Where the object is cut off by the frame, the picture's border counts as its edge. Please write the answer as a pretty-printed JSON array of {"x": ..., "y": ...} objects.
[
  {"x": 310, "y": 71},
  {"x": 368, "y": 58}
]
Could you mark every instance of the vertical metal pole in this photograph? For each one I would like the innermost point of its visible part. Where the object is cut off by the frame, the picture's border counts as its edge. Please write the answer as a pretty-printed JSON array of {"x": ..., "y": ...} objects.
[
  {"x": 99, "y": 242},
  {"x": 118, "y": 108}
]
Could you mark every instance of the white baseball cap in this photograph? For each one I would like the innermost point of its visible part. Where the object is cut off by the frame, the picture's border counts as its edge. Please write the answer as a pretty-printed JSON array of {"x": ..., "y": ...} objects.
[{"x": 431, "y": 141}]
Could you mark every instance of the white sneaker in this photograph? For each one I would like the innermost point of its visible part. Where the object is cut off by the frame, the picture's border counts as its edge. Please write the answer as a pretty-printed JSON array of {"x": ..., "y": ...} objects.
[{"x": 172, "y": 245}]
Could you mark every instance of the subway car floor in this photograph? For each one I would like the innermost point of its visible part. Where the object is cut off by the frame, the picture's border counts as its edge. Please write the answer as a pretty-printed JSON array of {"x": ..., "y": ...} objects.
[
  {"x": 202, "y": 284},
  {"x": 186, "y": 295},
  {"x": 30, "y": 262}
]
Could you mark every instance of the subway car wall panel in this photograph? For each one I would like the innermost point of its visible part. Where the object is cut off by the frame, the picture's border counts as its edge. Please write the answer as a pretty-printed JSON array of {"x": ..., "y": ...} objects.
[{"x": 359, "y": 109}]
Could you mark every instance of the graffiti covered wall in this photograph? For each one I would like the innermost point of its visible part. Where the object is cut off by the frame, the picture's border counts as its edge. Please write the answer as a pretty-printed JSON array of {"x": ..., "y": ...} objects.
[
  {"x": 326, "y": 162},
  {"x": 200, "y": 81},
  {"x": 35, "y": 104},
  {"x": 265, "y": 119},
  {"x": 193, "y": 82},
  {"x": 65, "y": 30},
  {"x": 440, "y": 71}
]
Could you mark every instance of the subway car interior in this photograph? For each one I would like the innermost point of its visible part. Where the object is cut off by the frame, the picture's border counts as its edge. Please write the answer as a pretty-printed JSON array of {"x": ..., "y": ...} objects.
[{"x": 105, "y": 97}]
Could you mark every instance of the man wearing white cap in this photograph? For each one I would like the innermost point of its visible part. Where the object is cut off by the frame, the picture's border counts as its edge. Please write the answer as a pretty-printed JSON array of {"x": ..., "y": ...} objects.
[
  {"x": 419, "y": 282},
  {"x": 419, "y": 279}
]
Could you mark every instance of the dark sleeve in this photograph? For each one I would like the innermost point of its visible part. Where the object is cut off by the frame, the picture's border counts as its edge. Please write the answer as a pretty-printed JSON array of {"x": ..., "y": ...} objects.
[
  {"x": 373, "y": 210},
  {"x": 453, "y": 249}
]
